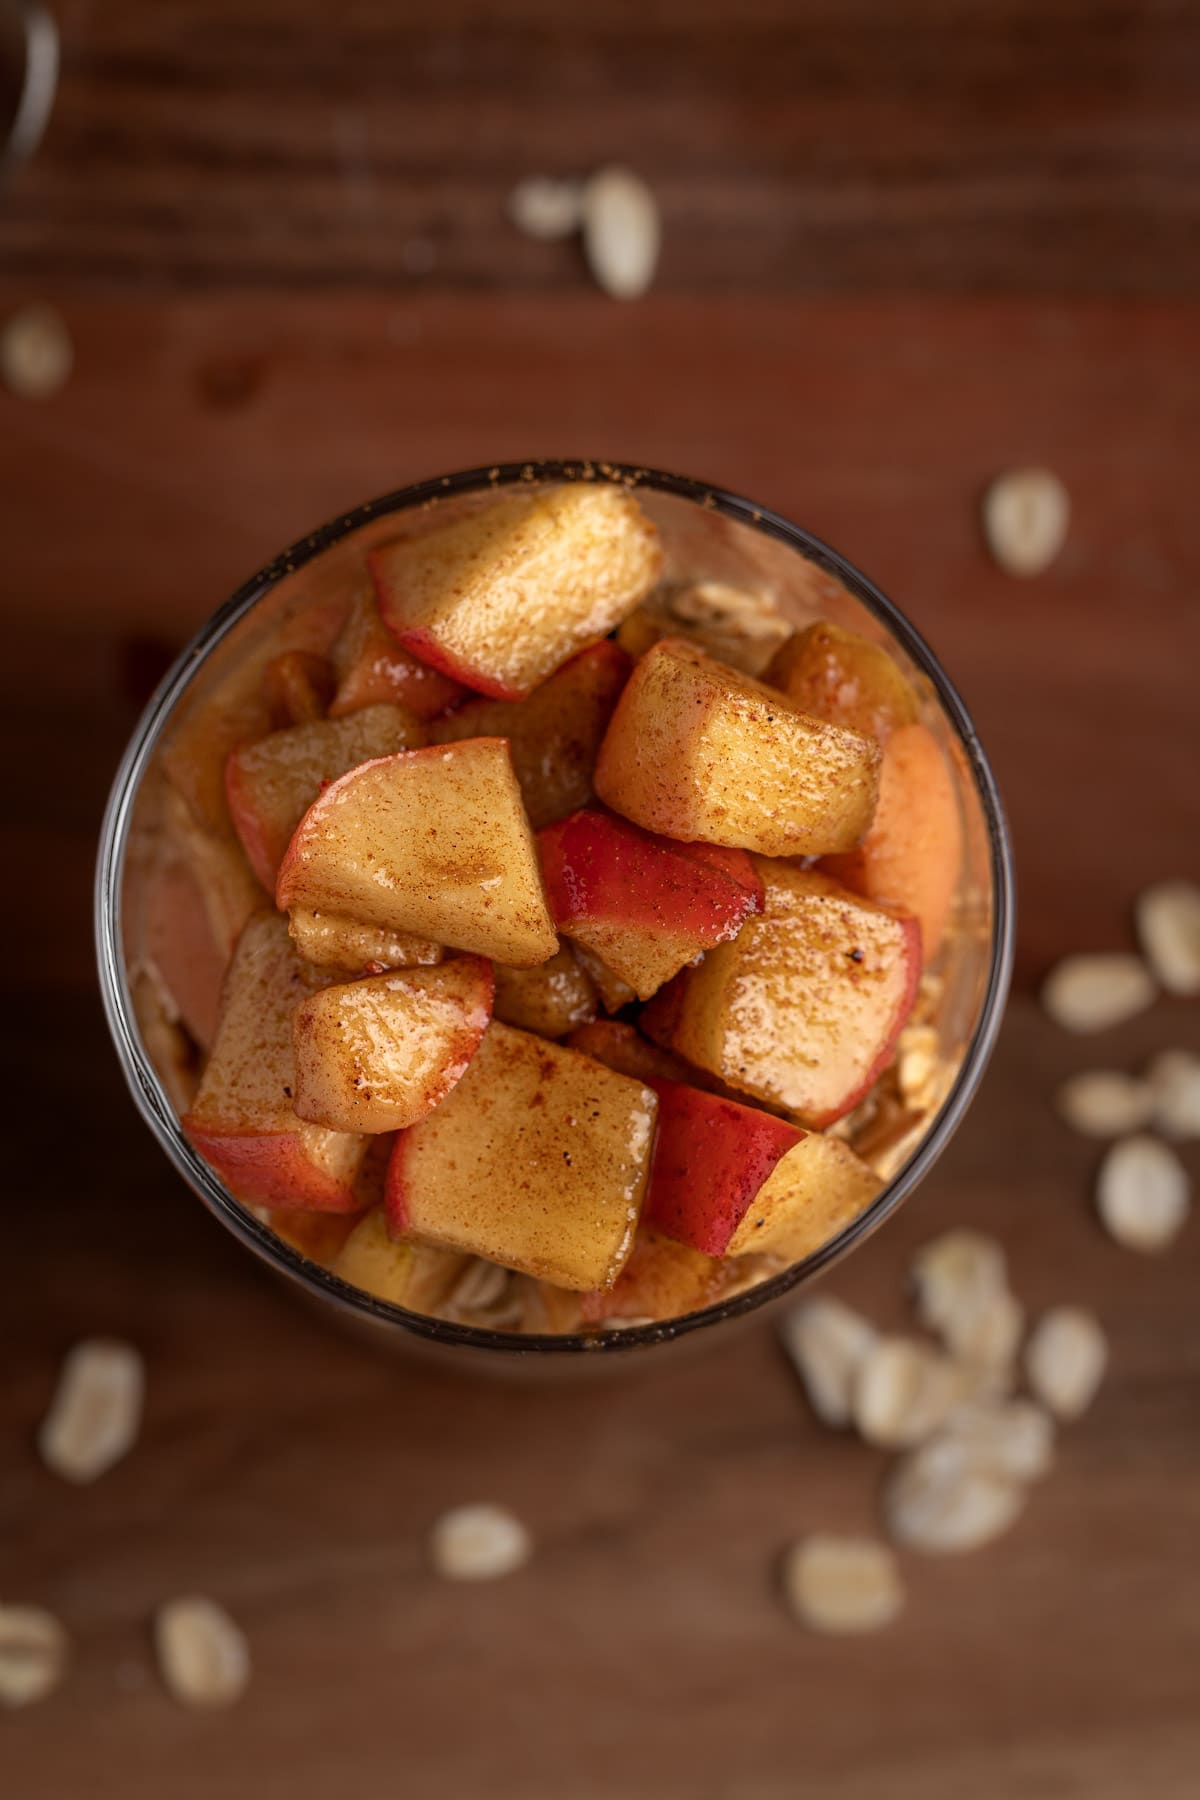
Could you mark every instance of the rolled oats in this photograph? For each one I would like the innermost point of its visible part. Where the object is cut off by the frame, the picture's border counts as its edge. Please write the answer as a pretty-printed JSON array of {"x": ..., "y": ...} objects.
[
  {"x": 1168, "y": 922},
  {"x": 1094, "y": 993},
  {"x": 1174, "y": 1082},
  {"x": 828, "y": 1343},
  {"x": 33, "y": 1654},
  {"x": 940, "y": 1500},
  {"x": 96, "y": 1412},
  {"x": 842, "y": 1584},
  {"x": 1065, "y": 1360},
  {"x": 903, "y": 1391},
  {"x": 202, "y": 1653},
  {"x": 621, "y": 232},
  {"x": 479, "y": 1543},
  {"x": 1143, "y": 1194},
  {"x": 1026, "y": 513},
  {"x": 1104, "y": 1103}
]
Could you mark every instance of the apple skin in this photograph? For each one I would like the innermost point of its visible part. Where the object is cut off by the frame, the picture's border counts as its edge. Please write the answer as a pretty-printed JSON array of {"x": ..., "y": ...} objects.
[
  {"x": 698, "y": 752},
  {"x": 812, "y": 1194},
  {"x": 912, "y": 856},
  {"x": 371, "y": 667},
  {"x": 554, "y": 736},
  {"x": 803, "y": 1010},
  {"x": 432, "y": 842},
  {"x": 636, "y": 900},
  {"x": 500, "y": 598},
  {"x": 738, "y": 865},
  {"x": 380, "y": 1053}
]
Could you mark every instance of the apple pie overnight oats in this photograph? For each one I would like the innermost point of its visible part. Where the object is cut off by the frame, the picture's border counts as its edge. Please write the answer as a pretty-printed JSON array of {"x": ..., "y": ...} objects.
[{"x": 542, "y": 931}]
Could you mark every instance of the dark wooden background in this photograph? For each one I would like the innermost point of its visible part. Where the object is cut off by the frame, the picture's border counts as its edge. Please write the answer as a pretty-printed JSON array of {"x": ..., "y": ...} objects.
[{"x": 906, "y": 245}]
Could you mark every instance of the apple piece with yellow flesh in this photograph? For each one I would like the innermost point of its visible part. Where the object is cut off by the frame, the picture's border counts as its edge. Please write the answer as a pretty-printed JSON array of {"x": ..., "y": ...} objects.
[
  {"x": 270, "y": 785},
  {"x": 298, "y": 687},
  {"x": 661, "y": 1280},
  {"x": 837, "y": 675},
  {"x": 410, "y": 1275},
  {"x": 537, "y": 1160},
  {"x": 333, "y": 942},
  {"x": 622, "y": 1047},
  {"x": 695, "y": 750},
  {"x": 434, "y": 842},
  {"x": 811, "y": 1195},
  {"x": 371, "y": 667},
  {"x": 317, "y": 1235},
  {"x": 711, "y": 1159},
  {"x": 803, "y": 1010},
  {"x": 911, "y": 857},
  {"x": 379, "y": 1054},
  {"x": 217, "y": 864},
  {"x": 555, "y": 734},
  {"x": 551, "y": 1000},
  {"x": 637, "y": 901},
  {"x": 614, "y": 993},
  {"x": 242, "y": 1121},
  {"x": 501, "y": 598}
]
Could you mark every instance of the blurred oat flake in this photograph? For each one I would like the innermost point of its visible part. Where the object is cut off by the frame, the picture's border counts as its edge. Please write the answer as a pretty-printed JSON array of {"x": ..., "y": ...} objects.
[{"x": 617, "y": 214}]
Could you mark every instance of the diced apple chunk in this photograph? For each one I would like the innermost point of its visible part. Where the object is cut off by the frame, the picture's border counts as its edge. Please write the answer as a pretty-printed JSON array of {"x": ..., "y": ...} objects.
[
  {"x": 836, "y": 675},
  {"x": 499, "y": 599},
  {"x": 298, "y": 687},
  {"x": 410, "y": 1275},
  {"x": 271, "y": 784},
  {"x": 317, "y": 1235},
  {"x": 614, "y": 993},
  {"x": 639, "y": 902},
  {"x": 379, "y": 1054},
  {"x": 242, "y": 1120},
  {"x": 695, "y": 750},
  {"x": 552, "y": 999},
  {"x": 371, "y": 667},
  {"x": 661, "y": 1280},
  {"x": 555, "y": 734},
  {"x": 804, "y": 1008},
  {"x": 711, "y": 1158},
  {"x": 912, "y": 856},
  {"x": 331, "y": 941},
  {"x": 537, "y": 1160},
  {"x": 434, "y": 842},
  {"x": 810, "y": 1196},
  {"x": 217, "y": 864}
]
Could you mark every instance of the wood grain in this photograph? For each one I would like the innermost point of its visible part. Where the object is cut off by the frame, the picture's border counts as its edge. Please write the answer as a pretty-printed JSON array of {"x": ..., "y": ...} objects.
[
  {"x": 191, "y": 200},
  {"x": 820, "y": 146}
]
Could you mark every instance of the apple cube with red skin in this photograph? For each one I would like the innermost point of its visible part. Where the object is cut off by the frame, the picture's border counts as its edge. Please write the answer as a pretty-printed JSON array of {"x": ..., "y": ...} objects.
[
  {"x": 379, "y": 1054},
  {"x": 502, "y": 597},
  {"x": 637, "y": 901},
  {"x": 811, "y": 1195},
  {"x": 711, "y": 1158},
  {"x": 803, "y": 1010},
  {"x": 662, "y": 1280},
  {"x": 410, "y": 1275},
  {"x": 695, "y": 750},
  {"x": 371, "y": 667},
  {"x": 536, "y": 1160},
  {"x": 331, "y": 941},
  {"x": 555, "y": 734},
  {"x": 434, "y": 842},
  {"x": 242, "y": 1120},
  {"x": 270, "y": 785},
  {"x": 552, "y": 999}
]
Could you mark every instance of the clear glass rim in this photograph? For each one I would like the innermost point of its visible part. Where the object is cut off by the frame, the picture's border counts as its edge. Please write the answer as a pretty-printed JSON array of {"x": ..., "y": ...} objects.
[{"x": 151, "y": 1098}]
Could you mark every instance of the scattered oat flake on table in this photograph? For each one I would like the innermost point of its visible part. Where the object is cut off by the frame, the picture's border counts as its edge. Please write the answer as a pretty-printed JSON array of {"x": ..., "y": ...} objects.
[
  {"x": 1168, "y": 925},
  {"x": 1094, "y": 993},
  {"x": 1143, "y": 1194},
  {"x": 828, "y": 1342},
  {"x": 1065, "y": 1360},
  {"x": 1011, "y": 1438},
  {"x": 842, "y": 1584},
  {"x": 958, "y": 1276},
  {"x": 1104, "y": 1103},
  {"x": 941, "y": 1500},
  {"x": 479, "y": 1543},
  {"x": 1025, "y": 517},
  {"x": 96, "y": 1412},
  {"x": 546, "y": 207},
  {"x": 903, "y": 1391},
  {"x": 36, "y": 354},
  {"x": 202, "y": 1652},
  {"x": 1174, "y": 1082},
  {"x": 621, "y": 232},
  {"x": 33, "y": 1654}
]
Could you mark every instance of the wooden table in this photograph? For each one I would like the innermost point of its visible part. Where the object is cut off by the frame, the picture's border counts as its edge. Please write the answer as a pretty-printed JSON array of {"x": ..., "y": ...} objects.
[{"x": 905, "y": 247}]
